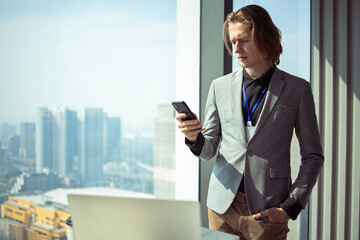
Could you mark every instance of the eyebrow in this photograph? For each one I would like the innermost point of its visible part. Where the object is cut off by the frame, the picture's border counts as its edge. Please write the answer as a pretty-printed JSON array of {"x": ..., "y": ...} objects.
[{"x": 242, "y": 37}]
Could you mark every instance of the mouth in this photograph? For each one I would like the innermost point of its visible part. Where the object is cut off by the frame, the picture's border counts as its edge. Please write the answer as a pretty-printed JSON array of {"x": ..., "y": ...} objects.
[{"x": 242, "y": 58}]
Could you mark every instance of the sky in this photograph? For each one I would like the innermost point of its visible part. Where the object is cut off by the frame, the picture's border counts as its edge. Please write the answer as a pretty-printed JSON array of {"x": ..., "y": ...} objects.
[{"x": 87, "y": 53}]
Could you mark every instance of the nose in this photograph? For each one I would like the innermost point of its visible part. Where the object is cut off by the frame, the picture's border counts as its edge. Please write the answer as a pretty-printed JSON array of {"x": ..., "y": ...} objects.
[{"x": 237, "y": 47}]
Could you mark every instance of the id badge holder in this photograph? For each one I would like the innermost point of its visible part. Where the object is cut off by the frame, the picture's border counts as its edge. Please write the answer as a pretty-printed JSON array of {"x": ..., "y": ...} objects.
[{"x": 249, "y": 131}]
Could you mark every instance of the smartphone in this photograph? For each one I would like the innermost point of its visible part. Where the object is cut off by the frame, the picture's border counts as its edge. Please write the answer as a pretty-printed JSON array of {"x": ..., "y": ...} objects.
[{"x": 182, "y": 107}]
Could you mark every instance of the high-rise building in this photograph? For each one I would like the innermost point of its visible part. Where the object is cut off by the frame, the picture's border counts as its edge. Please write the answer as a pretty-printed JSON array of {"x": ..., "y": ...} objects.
[
  {"x": 14, "y": 145},
  {"x": 112, "y": 136},
  {"x": 3, "y": 154},
  {"x": 71, "y": 139},
  {"x": 27, "y": 140},
  {"x": 164, "y": 152},
  {"x": 56, "y": 140},
  {"x": 44, "y": 140},
  {"x": 7, "y": 131},
  {"x": 92, "y": 147}
]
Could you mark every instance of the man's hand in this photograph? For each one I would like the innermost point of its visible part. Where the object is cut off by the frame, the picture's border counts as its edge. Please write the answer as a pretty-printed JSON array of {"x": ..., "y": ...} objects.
[
  {"x": 190, "y": 128},
  {"x": 275, "y": 215}
]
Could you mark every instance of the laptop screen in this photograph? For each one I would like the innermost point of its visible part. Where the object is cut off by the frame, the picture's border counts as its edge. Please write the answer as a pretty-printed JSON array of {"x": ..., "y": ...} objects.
[{"x": 106, "y": 217}]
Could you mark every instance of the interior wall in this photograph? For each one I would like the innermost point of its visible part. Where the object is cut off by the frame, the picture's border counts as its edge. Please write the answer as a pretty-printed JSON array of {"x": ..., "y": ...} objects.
[
  {"x": 211, "y": 67},
  {"x": 335, "y": 78}
]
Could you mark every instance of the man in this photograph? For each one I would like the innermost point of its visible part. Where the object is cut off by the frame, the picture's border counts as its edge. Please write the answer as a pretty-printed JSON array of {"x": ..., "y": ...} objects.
[{"x": 250, "y": 117}]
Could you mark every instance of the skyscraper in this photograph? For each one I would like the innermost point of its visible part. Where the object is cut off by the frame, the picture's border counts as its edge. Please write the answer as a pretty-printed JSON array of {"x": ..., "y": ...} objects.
[
  {"x": 56, "y": 138},
  {"x": 112, "y": 136},
  {"x": 14, "y": 145},
  {"x": 71, "y": 139},
  {"x": 164, "y": 152},
  {"x": 27, "y": 140},
  {"x": 44, "y": 140},
  {"x": 3, "y": 158},
  {"x": 7, "y": 131},
  {"x": 92, "y": 147}
]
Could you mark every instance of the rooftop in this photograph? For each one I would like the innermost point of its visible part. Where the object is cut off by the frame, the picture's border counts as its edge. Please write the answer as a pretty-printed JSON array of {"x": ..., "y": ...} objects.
[{"x": 58, "y": 197}]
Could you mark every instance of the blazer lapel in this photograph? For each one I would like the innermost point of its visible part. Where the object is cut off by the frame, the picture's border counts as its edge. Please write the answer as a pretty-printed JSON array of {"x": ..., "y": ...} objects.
[
  {"x": 236, "y": 101},
  {"x": 272, "y": 95}
]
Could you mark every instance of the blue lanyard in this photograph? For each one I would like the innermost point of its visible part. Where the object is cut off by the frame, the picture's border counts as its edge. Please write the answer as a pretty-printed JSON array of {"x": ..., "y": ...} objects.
[{"x": 249, "y": 123}]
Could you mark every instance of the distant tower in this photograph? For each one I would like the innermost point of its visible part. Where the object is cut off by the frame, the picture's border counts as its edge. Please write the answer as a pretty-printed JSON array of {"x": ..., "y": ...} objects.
[
  {"x": 164, "y": 153},
  {"x": 92, "y": 147},
  {"x": 27, "y": 141},
  {"x": 56, "y": 147},
  {"x": 44, "y": 140},
  {"x": 112, "y": 138},
  {"x": 7, "y": 131},
  {"x": 71, "y": 139},
  {"x": 14, "y": 145}
]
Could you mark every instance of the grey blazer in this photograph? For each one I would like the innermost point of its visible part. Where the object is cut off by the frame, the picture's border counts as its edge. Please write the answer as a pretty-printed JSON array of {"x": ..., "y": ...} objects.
[{"x": 264, "y": 160}]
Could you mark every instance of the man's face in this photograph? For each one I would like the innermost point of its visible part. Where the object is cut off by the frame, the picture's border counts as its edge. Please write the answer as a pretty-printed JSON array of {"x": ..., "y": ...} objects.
[{"x": 245, "y": 50}]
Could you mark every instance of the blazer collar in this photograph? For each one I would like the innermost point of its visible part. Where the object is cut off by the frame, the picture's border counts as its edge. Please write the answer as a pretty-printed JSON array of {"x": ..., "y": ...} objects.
[
  {"x": 271, "y": 97},
  {"x": 235, "y": 87}
]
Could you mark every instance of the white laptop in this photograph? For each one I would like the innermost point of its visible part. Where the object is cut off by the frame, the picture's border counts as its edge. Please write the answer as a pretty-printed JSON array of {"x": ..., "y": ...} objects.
[{"x": 107, "y": 218}]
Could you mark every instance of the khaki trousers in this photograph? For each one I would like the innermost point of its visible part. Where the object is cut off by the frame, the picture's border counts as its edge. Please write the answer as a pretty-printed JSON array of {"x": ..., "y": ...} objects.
[{"x": 237, "y": 220}]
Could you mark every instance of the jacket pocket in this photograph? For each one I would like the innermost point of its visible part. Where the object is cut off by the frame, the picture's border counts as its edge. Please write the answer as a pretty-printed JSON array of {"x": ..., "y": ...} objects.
[
  {"x": 280, "y": 171},
  {"x": 286, "y": 107},
  {"x": 285, "y": 115}
]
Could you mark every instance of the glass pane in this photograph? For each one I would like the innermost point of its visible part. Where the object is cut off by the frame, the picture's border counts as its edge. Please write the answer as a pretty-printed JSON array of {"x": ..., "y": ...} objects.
[
  {"x": 85, "y": 93},
  {"x": 293, "y": 20}
]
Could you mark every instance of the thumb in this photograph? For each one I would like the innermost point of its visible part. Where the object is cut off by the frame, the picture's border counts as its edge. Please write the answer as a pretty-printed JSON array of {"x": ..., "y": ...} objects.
[{"x": 262, "y": 214}]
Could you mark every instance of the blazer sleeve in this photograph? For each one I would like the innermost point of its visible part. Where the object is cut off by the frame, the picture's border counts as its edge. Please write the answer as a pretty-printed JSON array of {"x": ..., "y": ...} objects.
[
  {"x": 212, "y": 132},
  {"x": 312, "y": 158}
]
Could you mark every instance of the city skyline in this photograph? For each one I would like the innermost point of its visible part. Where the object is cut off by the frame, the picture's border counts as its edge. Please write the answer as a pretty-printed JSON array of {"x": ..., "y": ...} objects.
[
  {"x": 128, "y": 130},
  {"x": 84, "y": 148}
]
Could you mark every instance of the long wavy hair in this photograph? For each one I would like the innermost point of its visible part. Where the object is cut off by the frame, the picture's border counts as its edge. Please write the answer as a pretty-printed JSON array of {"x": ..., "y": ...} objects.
[{"x": 266, "y": 36}]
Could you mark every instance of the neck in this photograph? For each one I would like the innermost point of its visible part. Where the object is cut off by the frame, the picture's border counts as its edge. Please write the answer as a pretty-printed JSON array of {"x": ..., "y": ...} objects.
[{"x": 258, "y": 72}]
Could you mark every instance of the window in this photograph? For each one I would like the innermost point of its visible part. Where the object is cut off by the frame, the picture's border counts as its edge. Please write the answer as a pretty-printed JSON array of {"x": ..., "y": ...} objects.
[
  {"x": 18, "y": 213},
  {"x": 85, "y": 92}
]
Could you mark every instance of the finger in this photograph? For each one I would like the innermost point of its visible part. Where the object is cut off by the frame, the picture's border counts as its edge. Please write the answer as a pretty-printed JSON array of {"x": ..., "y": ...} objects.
[
  {"x": 191, "y": 128},
  {"x": 180, "y": 117},
  {"x": 190, "y": 133},
  {"x": 262, "y": 214},
  {"x": 198, "y": 130},
  {"x": 189, "y": 123}
]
